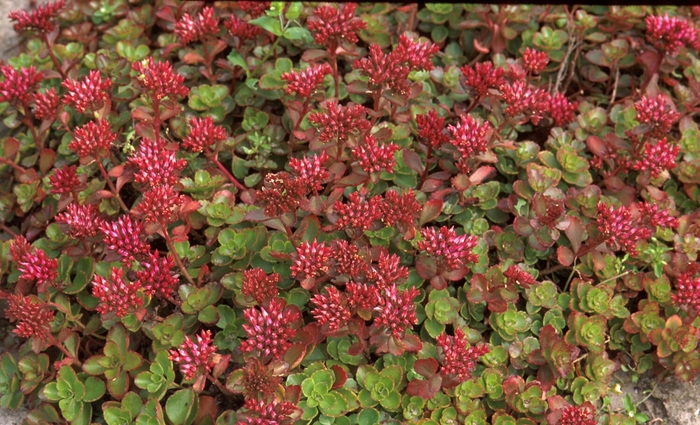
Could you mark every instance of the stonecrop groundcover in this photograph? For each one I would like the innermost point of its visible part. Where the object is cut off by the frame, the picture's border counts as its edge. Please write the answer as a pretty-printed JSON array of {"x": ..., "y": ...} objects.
[{"x": 312, "y": 213}]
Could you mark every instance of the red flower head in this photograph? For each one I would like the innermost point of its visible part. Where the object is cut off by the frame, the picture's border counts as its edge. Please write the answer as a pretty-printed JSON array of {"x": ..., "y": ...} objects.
[
  {"x": 259, "y": 286},
  {"x": 158, "y": 80},
  {"x": 657, "y": 114},
  {"x": 657, "y": 158},
  {"x": 33, "y": 264},
  {"x": 19, "y": 84},
  {"x": 83, "y": 220},
  {"x": 533, "y": 102},
  {"x": 281, "y": 193},
  {"x": 418, "y": 56},
  {"x": 93, "y": 139},
  {"x": 64, "y": 180},
  {"x": 40, "y": 19},
  {"x": 270, "y": 328},
  {"x": 561, "y": 110},
  {"x": 534, "y": 61},
  {"x": 362, "y": 296},
  {"x": 157, "y": 165},
  {"x": 46, "y": 105},
  {"x": 330, "y": 25},
  {"x": 258, "y": 381},
  {"x": 483, "y": 77},
  {"x": 374, "y": 157},
  {"x": 396, "y": 310},
  {"x": 398, "y": 209},
  {"x": 115, "y": 295},
  {"x": 451, "y": 251},
  {"x": 431, "y": 128},
  {"x": 305, "y": 82},
  {"x": 338, "y": 122},
  {"x": 255, "y": 8},
  {"x": 331, "y": 309},
  {"x": 581, "y": 415},
  {"x": 656, "y": 217},
  {"x": 358, "y": 214},
  {"x": 469, "y": 137},
  {"x": 88, "y": 94},
  {"x": 34, "y": 316},
  {"x": 156, "y": 277},
  {"x": 688, "y": 288},
  {"x": 125, "y": 237},
  {"x": 311, "y": 170},
  {"x": 261, "y": 412},
  {"x": 669, "y": 34},
  {"x": 195, "y": 358},
  {"x": 619, "y": 227},
  {"x": 517, "y": 276},
  {"x": 311, "y": 259},
  {"x": 158, "y": 205},
  {"x": 389, "y": 271},
  {"x": 348, "y": 260},
  {"x": 203, "y": 133},
  {"x": 189, "y": 29},
  {"x": 457, "y": 360},
  {"x": 237, "y": 27}
]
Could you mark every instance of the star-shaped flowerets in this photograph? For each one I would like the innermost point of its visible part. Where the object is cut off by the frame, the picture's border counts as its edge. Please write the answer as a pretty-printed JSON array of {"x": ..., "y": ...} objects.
[
  {"x": 158, "y": 79},
  {"x": 688, "y": 288},
  {"x": 670, "y": 33},
  {"x": 270, "y": 328},
  {"x": 33, "y": 316},
  {"x": 396, "y": 310},
  {"x": 330, "y": 25},
  {"x": 33, "y": 264},
  {"x": 195, "y": 357},
  {"x": 82, "y": 220},
  {"x": 19, "y": 84},
  {"x": 450, "y": 250},
  {"x": 457, "y": 360},
  {"x": 40, "y": 19},
  {"x": 93, "y": 139},
  {"x": 87, "y": 94},
  {"x": 189, "y": 28},
  {"x": 115, "y": 295},
  {"x": 305, "y": 82},
  {"x": 331, "y": 308},
  {"x": 657, "y": 158}
]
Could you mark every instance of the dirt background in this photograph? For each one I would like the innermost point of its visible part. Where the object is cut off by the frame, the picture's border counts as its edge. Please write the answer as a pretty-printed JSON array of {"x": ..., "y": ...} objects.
[{"x": 671, "y": 403}]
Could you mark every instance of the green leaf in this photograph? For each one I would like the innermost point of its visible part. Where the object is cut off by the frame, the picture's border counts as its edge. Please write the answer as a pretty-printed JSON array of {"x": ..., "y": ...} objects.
[
  {"x": 297, "y": 33},
  {"x": 95, "y": 389},
  {"x": 181, "y": 407},
  {"x": 268, "y": 24},
  {"x": 236, "y": 59}
]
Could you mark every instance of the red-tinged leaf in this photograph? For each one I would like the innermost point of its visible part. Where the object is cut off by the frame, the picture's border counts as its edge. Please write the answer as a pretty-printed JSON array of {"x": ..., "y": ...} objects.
[
  {"x": 340, "y": 376},
  {"x": 308, "y": 283},
  {"x": 208, "y": 408},
  {"x": 300, "y": 135},
  {"x": 221, "y": 366},
  {"x": 313, "y": 55},
  {"x": 431, "y": 209},
  {"x": 357, "y": 87},
  {"x": 480, "y": 47},
  {"x": 395, "y": 346},
  {"x": 433, "y": 386},
  {"x": 116, "y": 171},
  {"x": 481, "y": 174},
  {"x": 170, "y": 111},
  {"x": 426, "y": 367},
  {"x": 104, "y": 194},
  {"x": 414, "y": 387},
  {"x": 352, "y": 179},
  {"x": 383, "y": 134},
  {"x": 412, "y": 343},
  {"x": 356, "y": 348},
  {"x": 256, "y": 215},
  {"x": 46, "y": 160},
  {"x": 565, "y": 256},
  {"x": 122, "y": 180},
  {"x": 395, "y": 98},
  {"x": 596, "y": 145},
  {"x": 295, "y": 355},
  {"x": 438, "y": 282},
  {"x": 455, "y": 275},
  {"x": 426, "y": 267},
  {"x": 141, "y": 114},
  {"x": 575, "y": 233},
  {"x": 412, "y": 160},
  {"x": 190, "y": 207},
  {"x": 10, "y": 148},
  {"x": 192, "y": 57},
  {"x": 431, "y": 185},
  {"x": 145, "y": 130}
]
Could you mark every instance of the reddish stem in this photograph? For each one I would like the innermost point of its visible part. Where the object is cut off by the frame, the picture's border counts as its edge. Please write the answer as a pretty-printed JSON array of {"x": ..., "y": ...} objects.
[
  {"x": 12, "y": 164},
  {"x": 112, "y": 188},
  {"x": 305, "y": 110},
  {"x": 7, "y": 230},
  {"x": 214, "y": 158},
  {"x": 428, "y": 157},
  {"x": 53, "y": 57},
  {"x": 176, "y": 256},
  {"x": 65, "y": 351}
]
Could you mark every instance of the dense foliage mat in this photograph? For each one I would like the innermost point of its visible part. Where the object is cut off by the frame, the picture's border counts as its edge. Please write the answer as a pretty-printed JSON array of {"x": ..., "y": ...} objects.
[{"x": 296, "y": 213}]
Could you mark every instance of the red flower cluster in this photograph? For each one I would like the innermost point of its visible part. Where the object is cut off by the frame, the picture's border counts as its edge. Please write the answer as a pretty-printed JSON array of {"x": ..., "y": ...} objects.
[
  {"x": 520, "y": 98},
  {"x": 657, "y": 114},
  {"x": 203, "y": 133},
  {"x": 331, "y": 309},
  {"x": 259, "y": 286},
  {"x": 87, "y": 94},
  {"x": 581, "y": 415},
  {"x": 451, "y": 251},
  {"x": 362, "y": 296},
  {"x": 458, "y": 360},
  {"x": 255, "y": 8},
  {"x": 158, "y": 205},
  {"x": 305, "y": 82},
  {"x": 40, "y": 19},
  {"x": 83, "y": 220},
  {"x": 400, "y": 210},
  {"x": 155, "y": 277},
  {"x": 34, "y": 316},
  {"x": 657, "y": 158},
  {"x": 561, "y": 110},
  {"x": 259, "y": 382},
  {"x": 469, "y": 137},
  {"x": 517, "y": 276},
  {"x": 237, "y": 27},
  {"x": 373, "y": 157},
  {"x": 46, "y": 105},
  {"x": 189, "y": 29},
  {"x": 158, "y": 79},
  {"x": 619, "y": 227},
  {"x": 195, "y": 357},
  {"x": 311, "y": 259},
  {"x": 338, "y": 122},
  {"x": 125, "y": 237},
  {"x": 388, "y": 271},
  {"x": 115, "y": 295},
  {"x": 269, "y": 329},
  {"x": 688, "y": 288},
  {"x": 311, "y": 170},
  {"x": 33, "y": 264},
  {"x": 431, "y": 128},
  {"x": 281, "y": 193},
  {"x": 157, "y": 165},
  {"x": 669, "y": 34},
  {"x": 391, "y": 70},
  {"x": 397, "y": 311},
  {"x": 534, "y": 61},
  {"x": 657, "y": 217},
  {"x": 261, "y": 412},
  {"x": 483, "y": 77},
  {"x": 348, "y": 260},
  {"x": 332, "y": 25},
  {"x": 358, "y": 214},
  {"x": 64, "y": 180},
  {"x": 19, "y": 84},
  {"x": 93, "y": 139}
]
